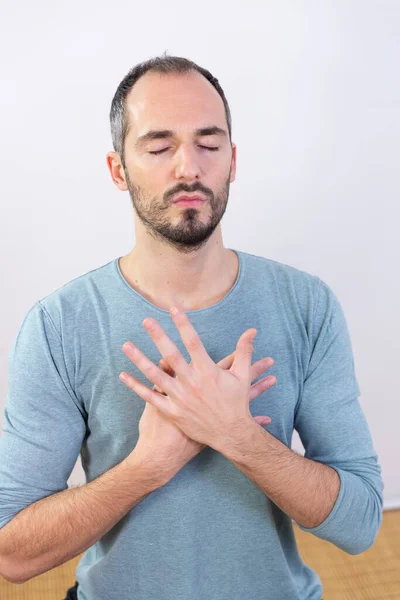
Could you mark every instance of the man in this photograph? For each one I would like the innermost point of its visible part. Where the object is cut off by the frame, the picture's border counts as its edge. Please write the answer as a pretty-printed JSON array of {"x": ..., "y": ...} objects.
[{"x": 192, "y": 485}]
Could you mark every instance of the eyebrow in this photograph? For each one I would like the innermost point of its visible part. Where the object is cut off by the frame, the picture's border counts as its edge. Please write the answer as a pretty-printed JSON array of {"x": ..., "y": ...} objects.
[{"x": 167, "y": 133}]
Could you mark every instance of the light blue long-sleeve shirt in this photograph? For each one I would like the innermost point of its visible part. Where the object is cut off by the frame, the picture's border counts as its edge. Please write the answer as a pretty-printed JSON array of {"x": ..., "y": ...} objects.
[{"x": 210, "y": 533}]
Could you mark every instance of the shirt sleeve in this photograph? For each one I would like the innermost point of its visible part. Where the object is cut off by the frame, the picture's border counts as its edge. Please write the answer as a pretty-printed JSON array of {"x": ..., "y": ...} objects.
[
  {"x": 44, "y": 422},
  {"x": 334, "y": 431}
]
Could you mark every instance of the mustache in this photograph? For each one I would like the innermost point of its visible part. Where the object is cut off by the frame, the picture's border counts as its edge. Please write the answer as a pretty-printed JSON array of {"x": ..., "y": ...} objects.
[{"x": 188, "y": 190}]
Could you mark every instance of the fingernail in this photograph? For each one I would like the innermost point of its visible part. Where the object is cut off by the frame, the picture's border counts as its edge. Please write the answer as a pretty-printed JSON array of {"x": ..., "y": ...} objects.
[{"x": 128, "y": 346}]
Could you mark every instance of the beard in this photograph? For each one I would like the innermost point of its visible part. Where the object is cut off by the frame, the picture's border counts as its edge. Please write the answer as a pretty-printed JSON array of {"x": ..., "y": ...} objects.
[{"x": 192, "y": 229}]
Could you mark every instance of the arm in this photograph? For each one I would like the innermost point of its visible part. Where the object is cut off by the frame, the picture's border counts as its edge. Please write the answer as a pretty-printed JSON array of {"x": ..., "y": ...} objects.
[
  {"x": 57, "y": 528},
  {"x": 42, "y": 522},
  {"x": 302, "y": 488},
  {"x": 336, "y": 438}
]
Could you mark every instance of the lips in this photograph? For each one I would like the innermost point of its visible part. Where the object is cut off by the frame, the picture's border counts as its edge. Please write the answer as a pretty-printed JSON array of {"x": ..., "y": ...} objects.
[{"x": 188, "y": 197}]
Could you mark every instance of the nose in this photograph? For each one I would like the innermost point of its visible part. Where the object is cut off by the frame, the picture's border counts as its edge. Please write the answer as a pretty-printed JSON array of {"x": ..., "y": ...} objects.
[{"x": 187, "y": 164}]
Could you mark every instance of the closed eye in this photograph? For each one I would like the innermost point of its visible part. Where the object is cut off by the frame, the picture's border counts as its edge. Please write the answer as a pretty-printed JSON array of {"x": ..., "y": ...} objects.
[{"x": 212, "y": 149}]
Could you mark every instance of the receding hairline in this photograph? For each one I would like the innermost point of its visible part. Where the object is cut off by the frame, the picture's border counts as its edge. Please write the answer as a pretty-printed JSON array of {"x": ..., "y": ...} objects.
[{"x": 166, "y": 133}]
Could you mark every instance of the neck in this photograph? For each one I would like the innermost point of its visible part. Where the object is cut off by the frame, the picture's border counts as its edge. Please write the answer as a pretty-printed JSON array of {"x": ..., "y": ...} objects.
[{"x": 166, "y": 277}]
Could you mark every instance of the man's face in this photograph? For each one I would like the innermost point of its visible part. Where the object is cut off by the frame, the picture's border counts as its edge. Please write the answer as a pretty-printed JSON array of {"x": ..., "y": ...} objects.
[{"x": 181, "y": 104}]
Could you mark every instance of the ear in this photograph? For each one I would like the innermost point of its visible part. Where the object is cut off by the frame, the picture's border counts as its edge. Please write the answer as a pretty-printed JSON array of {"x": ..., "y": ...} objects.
[{"x": 233, "y": 164}]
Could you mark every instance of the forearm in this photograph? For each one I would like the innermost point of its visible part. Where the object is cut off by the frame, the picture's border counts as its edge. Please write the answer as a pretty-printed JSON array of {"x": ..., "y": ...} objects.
[
  {"x": 59, "y": 527},
  {"x": 302, "y": 488}
]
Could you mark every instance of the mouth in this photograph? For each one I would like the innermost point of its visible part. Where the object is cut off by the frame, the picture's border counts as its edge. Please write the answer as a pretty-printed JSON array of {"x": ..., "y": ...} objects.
[{"x": 187, "y": 200}]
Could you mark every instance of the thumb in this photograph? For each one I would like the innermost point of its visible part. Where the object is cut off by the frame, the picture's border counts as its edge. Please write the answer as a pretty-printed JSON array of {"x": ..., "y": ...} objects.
[
  {"x": 244, "y": 351},
  {"x": 262, "y": 420}
]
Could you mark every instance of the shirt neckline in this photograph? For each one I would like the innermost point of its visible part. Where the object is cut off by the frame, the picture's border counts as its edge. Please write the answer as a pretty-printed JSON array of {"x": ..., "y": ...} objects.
[{"x": 196, "y": 311}]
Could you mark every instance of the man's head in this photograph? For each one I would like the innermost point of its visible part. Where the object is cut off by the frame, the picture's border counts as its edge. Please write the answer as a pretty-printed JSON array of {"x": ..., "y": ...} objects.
[{"x": 187, "y": 108}]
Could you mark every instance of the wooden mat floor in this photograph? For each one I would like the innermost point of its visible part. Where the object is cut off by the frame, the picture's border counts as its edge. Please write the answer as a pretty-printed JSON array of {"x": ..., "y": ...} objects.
[{"x": 372, "y": 575}]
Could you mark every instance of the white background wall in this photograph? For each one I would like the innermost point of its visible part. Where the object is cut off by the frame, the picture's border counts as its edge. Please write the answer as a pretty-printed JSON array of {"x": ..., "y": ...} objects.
[{"x": 314, "y": 92}]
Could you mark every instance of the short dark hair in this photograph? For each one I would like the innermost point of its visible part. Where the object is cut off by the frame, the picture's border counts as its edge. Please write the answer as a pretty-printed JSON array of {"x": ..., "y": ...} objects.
[{"x": 160, "y": 64}]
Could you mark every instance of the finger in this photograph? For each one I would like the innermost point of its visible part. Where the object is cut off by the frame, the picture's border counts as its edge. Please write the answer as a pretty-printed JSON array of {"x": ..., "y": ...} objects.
[
  {"x": 163, "y": 403},
  {"x": 256, "y": 369},
  {"x": 261, "y": 420},
  {"x": 261, "y": 386},
  {"x": 244, "y": 351},
  {"x": 167, "y": 369},
  {"x": 167, "y": 348},
  {"x": 260, "y": 366},
  {"x": 226, "y": 362},
  {"x": 165, "y": 366},
  {"x": 149, "y": 369},
  {"x": 191, "y": 339}
]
